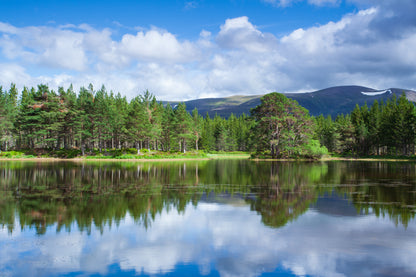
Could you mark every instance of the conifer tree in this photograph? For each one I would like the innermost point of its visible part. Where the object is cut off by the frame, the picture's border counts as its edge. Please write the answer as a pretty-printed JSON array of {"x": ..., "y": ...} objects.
[
  {"x": 207, "y": 137},
  {"x": 183, "y": 126},
  {"x": 167, "y": 128},
  {"x": 137, "y": 123},
  {"x": 281, "y": 125},
  {"x": 84, "y": 121},
  {"x": 197, "y": 122},
  {"x": 119, "y": 111}
]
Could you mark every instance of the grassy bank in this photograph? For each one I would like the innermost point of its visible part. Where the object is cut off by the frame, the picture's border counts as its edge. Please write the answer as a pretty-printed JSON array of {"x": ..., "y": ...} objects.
[
  {"x": 125, "y": 154},
  {"x": 131, "y": 154}
]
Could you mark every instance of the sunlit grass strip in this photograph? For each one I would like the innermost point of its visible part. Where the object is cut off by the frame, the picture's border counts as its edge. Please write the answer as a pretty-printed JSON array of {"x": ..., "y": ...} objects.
[{"x": 15, "y": 155}]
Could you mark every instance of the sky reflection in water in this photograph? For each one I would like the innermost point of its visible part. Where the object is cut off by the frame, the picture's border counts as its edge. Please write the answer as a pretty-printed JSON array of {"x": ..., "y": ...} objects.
[
  {"x": 230, "y": 240},
  {"x": 212, "y": 238}
]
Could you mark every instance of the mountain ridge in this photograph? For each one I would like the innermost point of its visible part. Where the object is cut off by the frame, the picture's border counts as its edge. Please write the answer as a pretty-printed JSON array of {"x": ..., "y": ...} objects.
[{"x": 329, "y": 101}]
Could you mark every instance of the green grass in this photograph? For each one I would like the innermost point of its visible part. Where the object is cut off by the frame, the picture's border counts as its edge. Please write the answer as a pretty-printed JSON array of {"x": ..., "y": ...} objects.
[
  {"x": 15, "y": 155},
  {"x": 374, "y": 157},
  {"x": 131, "y": 154},
  {"x": 228, "y": 155},
  {"x": 123, "y": 154}
]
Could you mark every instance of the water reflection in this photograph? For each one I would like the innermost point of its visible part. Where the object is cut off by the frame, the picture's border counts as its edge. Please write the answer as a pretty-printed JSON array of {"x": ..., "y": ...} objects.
[
  {"x": 94, "y": 194},
  {"x": 207, "y": 218}
]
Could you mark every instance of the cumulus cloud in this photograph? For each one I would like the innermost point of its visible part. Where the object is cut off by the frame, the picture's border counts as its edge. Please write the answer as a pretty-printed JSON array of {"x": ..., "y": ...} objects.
[
  {"x": 156, "y": 46},
  {"x": 371, "y": 47},
  {"x": 55, "y": 47},
  {"x": 239, "y": 33},
  {"x": 351, "y": 51},
  {"x": 13, "y": 73}
]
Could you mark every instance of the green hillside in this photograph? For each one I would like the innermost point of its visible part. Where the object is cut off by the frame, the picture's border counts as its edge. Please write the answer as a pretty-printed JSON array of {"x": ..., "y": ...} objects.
[{"x": 329, "y": 101}]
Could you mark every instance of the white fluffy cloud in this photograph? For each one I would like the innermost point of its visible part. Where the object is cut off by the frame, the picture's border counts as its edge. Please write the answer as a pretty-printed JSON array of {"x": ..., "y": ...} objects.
[
  {"x": 156, "y": 46},
  {"x": 372, "y": 47},
  {"x": 239, "y": 33},
  {"x": 54, "y": 47}
]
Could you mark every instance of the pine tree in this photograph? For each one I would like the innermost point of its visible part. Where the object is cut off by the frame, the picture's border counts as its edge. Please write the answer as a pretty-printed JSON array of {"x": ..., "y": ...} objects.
[
  {"x": 359, "y": 118},
  {"x": 68, "y": 99},
  {"x": 183, "y": 126},
  {"x": 84, "y": 121},
  {"x": 220, "y": 133},
  {"x": 156, "y": 115},
  {"x": 119, "y": 113},
  {"x": 207, "y": 137},
  {"x": 168, "y": 120},
  {"x": 102, "y": 117},
  {"x": 281, "y": 125},
  {"x": 8, "y": 112},
  {"x": 148, "y": 129},
  {"x": 137, "y": 123},
  {"x": 197, "y": 122},
  {"x": 374, "y": 119},
  {"x": 52, "y": 116},
  {"x": 405, "y": 125},
  {"x": 345, "y": 130}
]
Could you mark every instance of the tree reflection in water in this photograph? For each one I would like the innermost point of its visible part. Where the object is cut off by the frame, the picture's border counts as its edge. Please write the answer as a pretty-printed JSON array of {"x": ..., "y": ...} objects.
[{"x": 97, "y": 194}]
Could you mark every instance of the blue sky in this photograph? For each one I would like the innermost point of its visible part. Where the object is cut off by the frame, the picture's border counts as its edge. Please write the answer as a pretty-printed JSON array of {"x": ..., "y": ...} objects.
[{"x": 183, "y": 50}]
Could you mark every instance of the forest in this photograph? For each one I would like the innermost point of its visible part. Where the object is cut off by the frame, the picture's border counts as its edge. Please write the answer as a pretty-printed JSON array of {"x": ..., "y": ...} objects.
[
  {"x": 96, "y": 121},
  {"x": 383, "y": 129}
]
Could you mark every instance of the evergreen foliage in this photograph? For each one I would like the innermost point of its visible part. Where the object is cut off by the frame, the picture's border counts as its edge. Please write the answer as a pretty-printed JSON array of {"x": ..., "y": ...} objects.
[
  {"x": 387, "y": 129},
  {"x": 94, "y": 122},
  {"x": 284, "y": 128},
  {"x": 91, "y": 122}
]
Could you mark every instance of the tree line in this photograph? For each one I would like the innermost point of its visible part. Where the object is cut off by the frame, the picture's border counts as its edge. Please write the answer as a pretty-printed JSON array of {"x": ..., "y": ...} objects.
[
  {"x": 96, "y": 119},
  {"x": 385, "y": 128},
  {"x": 40, "y": 118}
]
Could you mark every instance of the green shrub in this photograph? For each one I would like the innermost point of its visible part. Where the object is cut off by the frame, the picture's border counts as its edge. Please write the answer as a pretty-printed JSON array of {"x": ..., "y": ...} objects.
[
  {"x": 66, "y": 153},
  {"x": 314, "y": 150},
  {"x": 115, "y": 152},
  {"x": 130, "y": 151},
  {"x": 12, "y": 154},
  {"x": 126, "y": 156}
]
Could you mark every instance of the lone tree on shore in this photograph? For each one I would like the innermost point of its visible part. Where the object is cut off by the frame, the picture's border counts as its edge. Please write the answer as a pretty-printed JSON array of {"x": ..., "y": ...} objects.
[{"x": 282, "y": 126}]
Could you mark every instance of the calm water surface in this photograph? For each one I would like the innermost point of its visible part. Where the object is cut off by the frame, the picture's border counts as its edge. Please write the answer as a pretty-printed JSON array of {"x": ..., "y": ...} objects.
[{"x": 207, "y": 218}]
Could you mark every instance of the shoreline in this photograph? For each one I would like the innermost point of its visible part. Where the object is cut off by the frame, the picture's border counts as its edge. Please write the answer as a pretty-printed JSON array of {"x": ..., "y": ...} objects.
[
  {"x": 99, "y": 160},
  {"x": 220, "y": 157},
  {"x": 167, "y": 159}
]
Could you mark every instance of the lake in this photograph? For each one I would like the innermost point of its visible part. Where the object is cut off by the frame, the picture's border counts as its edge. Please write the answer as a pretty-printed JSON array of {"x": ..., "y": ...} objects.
[{"x": 207, "y": 218}]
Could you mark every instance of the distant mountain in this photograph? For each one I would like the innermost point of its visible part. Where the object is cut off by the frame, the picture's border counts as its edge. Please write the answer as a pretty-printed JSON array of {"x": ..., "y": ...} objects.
[
  {"x": 337, "y": 100},
  {"x": 330, "y": 101}
]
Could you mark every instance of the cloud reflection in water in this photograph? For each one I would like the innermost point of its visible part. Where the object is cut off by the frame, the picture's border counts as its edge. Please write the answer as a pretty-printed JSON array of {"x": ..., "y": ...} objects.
[{"x": 216, "y": 237}]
